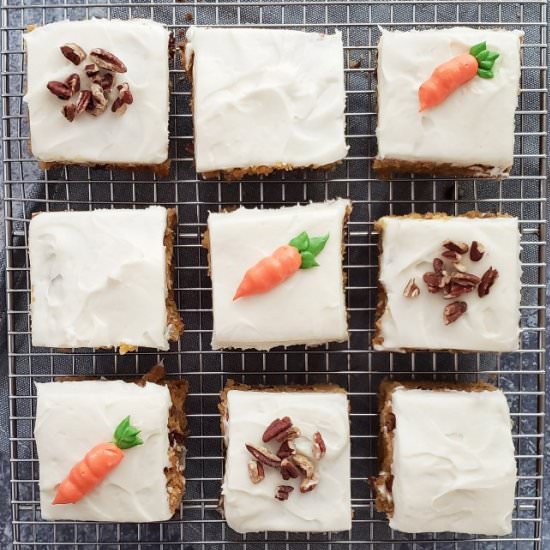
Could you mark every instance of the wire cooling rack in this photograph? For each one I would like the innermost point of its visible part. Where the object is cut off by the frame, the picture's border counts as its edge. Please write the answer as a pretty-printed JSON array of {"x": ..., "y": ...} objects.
[{"x": 354, "y": 365}]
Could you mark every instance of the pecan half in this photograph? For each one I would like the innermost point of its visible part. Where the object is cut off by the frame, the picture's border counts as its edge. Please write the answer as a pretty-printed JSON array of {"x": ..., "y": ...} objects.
[
  {"x": 453, "y": 311},
  {"x": 477, "y": 251},
  {"x": 283, "y": 492},
  {"x": 287, "y": 448},
  {"x": 319, "y": 447},
  {"x": 73, "y": 82},
  {"x": 73, "y": 52},
  {"x": 292, "y": 433},
  {"x": 107, "y": 60},
  {"x": 263, "y": 455},
  {"x": 256, "y": 471},
  {"x": 289, "y": 469},
  {"x": 59, "y": 89},
  {"x": 464, "y": 279},
  {"x": 98, "y": 104},
  {"x": 309, "y": 484},
  {"x": 458, "y": 247},
  {"x": 411, "y": 289},
  {"x": 452, "y": 255},
  {"x": 84, "y": 98},
  {"x": 455, "y": 290},
  {"x": 69, "y": 111},
  {"x": 276, "y": 427},
  {"x": 487, "y": 281}
]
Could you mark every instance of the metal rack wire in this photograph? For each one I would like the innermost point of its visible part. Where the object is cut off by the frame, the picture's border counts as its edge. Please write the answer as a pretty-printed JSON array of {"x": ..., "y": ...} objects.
[{"x": 353, "y": 365}]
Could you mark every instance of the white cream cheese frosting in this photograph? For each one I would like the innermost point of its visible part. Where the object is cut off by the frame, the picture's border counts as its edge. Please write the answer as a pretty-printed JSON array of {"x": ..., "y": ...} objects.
[
  {"x": 409, "y": 246},
  {"x": 473, "y": 126},
  {"x": 264, "y": 97},
  {"x": 308, "y": 308},
  {"x": 140, "y": 135},
  {"x": 73, "y": 417},
  {"x": 252, "y": 507},
  {"x": 99, "y": 278},
  {"x": 453, "y": 462}
]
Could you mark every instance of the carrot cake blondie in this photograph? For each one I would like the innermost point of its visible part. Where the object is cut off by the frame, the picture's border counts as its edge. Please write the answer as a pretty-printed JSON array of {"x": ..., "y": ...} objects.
[
  {"x": 265, "y": 99},
  {"x": 449, "y": 282},
  {"x": 98, "y": 93},
  {"x": 447, "y": 458},
  {"x": 446, "y": 101},
  {"x": 277, "y": 276},
  {"x": 287, "y": 465},
  {"x": 103, "y": 278},
  {"x": 111, "y": 450}
]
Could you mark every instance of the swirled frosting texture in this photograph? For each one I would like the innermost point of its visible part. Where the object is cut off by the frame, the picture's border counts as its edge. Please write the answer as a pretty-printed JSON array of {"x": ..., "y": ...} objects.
[
  {"x": 409, "y": 246},
  {"x": 453, "y": 462},
  {"x": 73, "y": 417},
  {"x": 251, "y": 508},
  {"x": 308, "y": 308},
  {"x": 266, "y": 97},
  {"x": 473, "y": 126},
  {"x": 99, "y": 278},
  {"x": 140, "y": 136}
]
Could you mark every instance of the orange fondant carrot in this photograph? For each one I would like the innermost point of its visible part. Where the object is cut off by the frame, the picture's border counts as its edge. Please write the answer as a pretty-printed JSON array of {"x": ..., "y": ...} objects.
[
  {"x": 272, "y": 270},
  {"x": 452, "y": 74},
  {"x": 87, "y": 474}
]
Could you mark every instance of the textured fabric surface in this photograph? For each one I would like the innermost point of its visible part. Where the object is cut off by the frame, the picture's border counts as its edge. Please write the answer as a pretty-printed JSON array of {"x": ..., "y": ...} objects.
[{"x": 55, "y": 189}]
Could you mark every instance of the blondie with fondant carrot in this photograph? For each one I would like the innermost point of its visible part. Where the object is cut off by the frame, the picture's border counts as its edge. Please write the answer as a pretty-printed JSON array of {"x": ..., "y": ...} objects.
[{"x": 111, "y": 450}]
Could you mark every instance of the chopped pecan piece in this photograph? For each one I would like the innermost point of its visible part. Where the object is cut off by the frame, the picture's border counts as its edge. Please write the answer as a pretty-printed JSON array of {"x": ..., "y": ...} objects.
[
  {"x": 107, "y": 60},
  {"x": 292, "y": 433},
  {"x": 73, "y": 52},
  {"x": 487, "y": 281},
  {"x": 452, "y": 255},
  {"x": 453, "y": 311},
  {"x": 124, "y": 99},
  {"x": 289, "y": 469},
  {"x": 438, "y": 265},
  {"x": 454, "y": 290},
  {"x": 319, "y": 448},
  {"x": 98, "y": 103},
  {"x": 283, "y": 492},
  {"x": 458, "y": 247},
  {"x": 411, "y": 289},
  {"x": 464, "y": 279},
  {"x": 287, "y": 448},
  {"x": 477, "y": 251},
  {"x": 435, "y": 280},
  {"x": 276, "y": 427},
  {"x": 256, "y": 471},
  {"x": 304, "y": 465},
  {"x": 263, "y": 455},
  {"x": 84, "y": 98},
  {"x": 106, "y": 82},
  {"x": 59, "y": 89},
  {"x": 309, "y": 484},
  {"x": 69, "y": 111},
  {"x": 73, "y": 82},
  {"x": 91, "y": 70}
]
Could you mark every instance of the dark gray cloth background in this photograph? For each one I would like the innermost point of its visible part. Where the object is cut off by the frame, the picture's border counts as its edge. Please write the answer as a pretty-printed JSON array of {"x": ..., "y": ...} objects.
[{"x": 5, "y": 531}]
